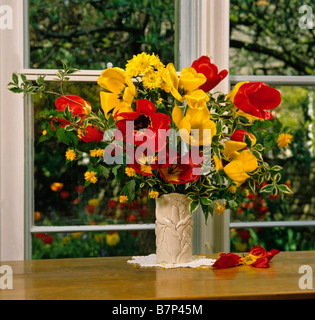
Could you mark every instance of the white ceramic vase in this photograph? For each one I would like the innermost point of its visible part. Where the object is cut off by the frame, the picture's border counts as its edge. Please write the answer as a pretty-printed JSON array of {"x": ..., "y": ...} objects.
[{"x": 173, "y": 229}]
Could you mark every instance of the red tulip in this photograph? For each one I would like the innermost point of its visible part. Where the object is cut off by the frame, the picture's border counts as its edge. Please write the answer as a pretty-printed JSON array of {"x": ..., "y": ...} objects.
[
  {"x": 91, "y": 133},
  {"x": 145, "y": 117},
  {"x": 227, "y": 260},
  {"x": 180, "y": 170},
  {"x": 256, "y": 99},
  {"x": 239, "y": 135},
  {"x": 210, "y": 71},
  {"x": 77, "y": 105}
]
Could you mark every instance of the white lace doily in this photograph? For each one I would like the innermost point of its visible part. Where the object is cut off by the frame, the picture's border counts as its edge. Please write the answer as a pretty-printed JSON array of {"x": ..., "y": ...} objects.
[{"x": 150, "y": 261}]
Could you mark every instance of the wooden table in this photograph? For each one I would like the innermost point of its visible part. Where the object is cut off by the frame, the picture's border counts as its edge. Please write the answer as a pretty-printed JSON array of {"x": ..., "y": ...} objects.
[{"x": 115, "y": 279}]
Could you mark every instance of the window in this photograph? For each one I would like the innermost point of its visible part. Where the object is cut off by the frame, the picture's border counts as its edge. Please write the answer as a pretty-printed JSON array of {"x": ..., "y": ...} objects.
[
  {"x": 270, "y": 42},
  {"x": 200, "y": 27}
]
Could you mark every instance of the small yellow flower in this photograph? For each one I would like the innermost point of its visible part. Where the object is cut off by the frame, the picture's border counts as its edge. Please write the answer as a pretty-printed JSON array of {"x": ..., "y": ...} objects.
[
  {"x": 153, "y": 194},
  {"x": 37, "y": 215},
  {"x": 94, "y": 202},
  {"x": 44, "y": 132},
  {"x": 219, "y": 209},
  {"x": 123, "y": 199},
  {"x": 99, "y": 238},
  {"x": 97, "y": 152},
  {"x": 91, "y": 176},
  {"x": 65, "y": 240},
  {"x": 232, "y": 189},
  {"x": 152, "y": 80},
  {"x": 70, "y": 154},
  {"x": 130, "y": 172},
  {"x": 56, "y": 186},
  {"x": 284, "y": 140},
  {"x": 76, "y": 235},
  {"x": 112, "y": 239}
]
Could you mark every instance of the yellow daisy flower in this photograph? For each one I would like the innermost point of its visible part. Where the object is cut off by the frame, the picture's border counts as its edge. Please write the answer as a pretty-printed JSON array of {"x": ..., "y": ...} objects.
[
  {"x": 70, "y": 154},
  {"x": 91, "y": 176},
  {"x": 284, "y": 140}
]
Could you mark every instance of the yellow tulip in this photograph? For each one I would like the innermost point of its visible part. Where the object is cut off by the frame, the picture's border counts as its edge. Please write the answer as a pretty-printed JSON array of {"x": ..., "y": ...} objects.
[
  {"x": 186, "y": 87},
  {"x": 120, "y": 91},
  {"x": 249, "y": 161},
  {"x": 196, "y": 99},
  {"x": 231, "y": 148},
  {"x": 190, "y": 80},
  {"x": 238, "y": 168},
  {"x": 236, "y": 172},
  {"x": 195, "y": 127},
  {"x": 218, "y": 163},
  {"x": 113, "y": 80}
]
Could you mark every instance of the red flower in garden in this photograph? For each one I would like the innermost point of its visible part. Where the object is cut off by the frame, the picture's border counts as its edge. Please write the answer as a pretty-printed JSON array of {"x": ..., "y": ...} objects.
[
  {"x": 39, "y": 235},
  {"x": 79, "y": 189},
  {"x": 256, "y": 99},
  {"x": 47, "y": 239},
  {"x": 244, "y": 235},
  {"x": 239, "y": 135},
  {"x": 227, "y": 260},
  {"x": 90, "y": 133},
  {"x": 64, "y": 194},
  {"x": 145, "y": 117},
  {"x": 210, "y": 71},
  {"x": 76, "y": 104},
  {"x": 180, "y": 169},
  {"x": 112, "y": 204},
  {"x": 90, "y": 209}
]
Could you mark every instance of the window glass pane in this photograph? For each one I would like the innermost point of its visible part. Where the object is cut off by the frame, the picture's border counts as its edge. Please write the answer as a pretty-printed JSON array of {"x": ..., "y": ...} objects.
[
  {"x": 60, "y": 198},
  {"x": 90, "y": 34},
  {"x": 296, "y": 114},
  {"x": 271, "y": 37},
  {"x": 281, "y": 238},
  {"x": 92, "y": 244}
]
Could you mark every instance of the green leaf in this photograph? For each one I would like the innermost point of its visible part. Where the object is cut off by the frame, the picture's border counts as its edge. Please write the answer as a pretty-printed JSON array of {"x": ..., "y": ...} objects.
[
  {"x": 105, "y": 172},
  {"x": 206, "y": 201},
  {"x": 131, "y": 187},
  {"x": 259, "y": 147},
  {"x": 252, "y": 185},
  {"x": 248, "y": 140},
  {"x": 15, "y": 78},
  {"x": 257, "y": 155},
  {"x": 276, "y": 168},
  {"x": 232, "y": 204},
  {"x": 16, "y": 90},
  {"x": 193, "y": 206},
  {"x": 277, "y": 177},
  {"x": 268, "y": 188},
  {"x": 285, "y": 189}
]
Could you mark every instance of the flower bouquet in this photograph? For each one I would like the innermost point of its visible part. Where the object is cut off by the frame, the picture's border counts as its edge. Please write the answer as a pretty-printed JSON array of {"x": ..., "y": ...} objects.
[{"x": 172, "y": 134}]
